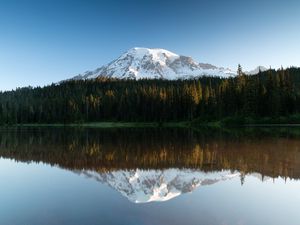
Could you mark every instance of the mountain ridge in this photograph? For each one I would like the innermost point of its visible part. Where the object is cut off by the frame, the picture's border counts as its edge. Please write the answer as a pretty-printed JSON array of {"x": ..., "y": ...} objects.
[
  {"x": 155, "y": 63},
  {"x": 256, "y": 70}
]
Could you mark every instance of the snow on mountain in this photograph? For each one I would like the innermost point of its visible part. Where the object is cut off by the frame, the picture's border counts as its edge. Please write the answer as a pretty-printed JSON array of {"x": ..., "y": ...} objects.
[
  {"x": 256, "y": 70},
  {"x": 141, "y": 186},
  {"x": 139, "y": 63}
]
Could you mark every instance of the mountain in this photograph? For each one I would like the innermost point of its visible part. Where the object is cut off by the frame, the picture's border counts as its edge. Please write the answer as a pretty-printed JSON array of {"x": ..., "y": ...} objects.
[
  {"x": 256, "y": 70},
  {"x": 141, "y": 186},
  {"x": 139, "y": 63}
]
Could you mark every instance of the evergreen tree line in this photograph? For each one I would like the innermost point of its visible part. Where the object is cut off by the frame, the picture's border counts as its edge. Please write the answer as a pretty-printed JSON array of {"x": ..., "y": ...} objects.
[{"x": 268, "y": 94}]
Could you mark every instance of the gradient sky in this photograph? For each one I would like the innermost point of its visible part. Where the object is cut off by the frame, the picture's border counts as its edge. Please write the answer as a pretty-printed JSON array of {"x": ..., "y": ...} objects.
[{"x": 46, "y": 41}]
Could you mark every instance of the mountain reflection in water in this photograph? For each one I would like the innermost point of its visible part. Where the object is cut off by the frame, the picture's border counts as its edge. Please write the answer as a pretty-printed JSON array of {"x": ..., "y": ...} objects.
[
  {"x": 77, "y": 176},
  {"x": 147, "y": 165},
  {"x": 141, "y": 186}
]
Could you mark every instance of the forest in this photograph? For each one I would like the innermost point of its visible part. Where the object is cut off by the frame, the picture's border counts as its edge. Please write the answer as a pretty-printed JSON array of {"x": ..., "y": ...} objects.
[{"x": 272, "y": 93}]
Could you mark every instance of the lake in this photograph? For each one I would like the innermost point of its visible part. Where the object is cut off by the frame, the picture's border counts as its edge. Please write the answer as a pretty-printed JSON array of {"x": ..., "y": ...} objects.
[{"x": 76, "y": 176}]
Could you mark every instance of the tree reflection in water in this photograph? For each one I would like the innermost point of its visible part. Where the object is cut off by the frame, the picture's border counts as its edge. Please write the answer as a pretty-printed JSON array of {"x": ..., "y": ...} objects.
[{"x": 270, "y": 153}]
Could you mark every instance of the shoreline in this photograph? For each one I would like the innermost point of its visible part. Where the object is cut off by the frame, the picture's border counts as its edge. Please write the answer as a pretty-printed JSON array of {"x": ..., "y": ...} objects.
[
  {"x": 107, "y": 125},
  {"x": 182, "y": 124}
]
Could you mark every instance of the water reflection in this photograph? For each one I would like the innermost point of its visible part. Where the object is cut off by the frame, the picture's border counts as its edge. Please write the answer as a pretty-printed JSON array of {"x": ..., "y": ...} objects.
[
  {"x": 266, "y": 152},
  {"x": 91, "y": 176},
  {"x": 141, "y": 186}
]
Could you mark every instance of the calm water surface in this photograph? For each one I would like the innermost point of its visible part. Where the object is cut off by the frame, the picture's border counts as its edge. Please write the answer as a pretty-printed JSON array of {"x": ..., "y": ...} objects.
[{"x": 149, "y": 176}]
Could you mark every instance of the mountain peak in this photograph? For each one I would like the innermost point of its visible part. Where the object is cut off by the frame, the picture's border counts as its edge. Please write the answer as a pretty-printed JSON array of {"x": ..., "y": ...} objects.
[
  {"x": 256, "y": 70},
  {"x": 152, "y": 51},
  {"x": 155, "y": 63}
]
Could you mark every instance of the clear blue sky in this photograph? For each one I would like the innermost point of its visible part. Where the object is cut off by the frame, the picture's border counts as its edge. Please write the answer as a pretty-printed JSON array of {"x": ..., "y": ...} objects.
[{"x": 46, "y": 41}]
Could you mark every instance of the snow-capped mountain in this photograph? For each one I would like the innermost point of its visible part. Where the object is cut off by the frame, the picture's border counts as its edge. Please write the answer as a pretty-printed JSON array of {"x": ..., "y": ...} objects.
[
  {"x": 138, "y": 63},
  {"x": 256, "y": 70},
  {"x": 141, "y": 186}
]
